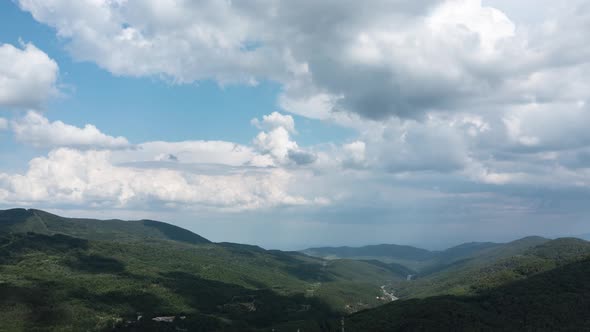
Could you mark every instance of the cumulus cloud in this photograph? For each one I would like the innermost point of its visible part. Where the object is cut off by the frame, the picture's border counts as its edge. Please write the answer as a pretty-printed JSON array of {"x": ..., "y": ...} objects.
[
  {"x": 383, "y": 59},
  {"x": 90, "y": 168},
  {"x": 189, "y": 152},
  {"x": 145, "y": 38},
  {"x": 275, "y": 120},
  {"x": 89, "y": 178},
  {"x": 455, "y": 96},
  {"x": 276, "y": 141},
  {"x": 27, "y": 76},
  {"x": 37, "y": 130}
]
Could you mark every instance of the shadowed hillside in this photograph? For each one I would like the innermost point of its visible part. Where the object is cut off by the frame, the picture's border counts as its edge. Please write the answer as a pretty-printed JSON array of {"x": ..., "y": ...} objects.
[
  {"x": 557, "y": 300},
  {"x": 499, "y": 265}
]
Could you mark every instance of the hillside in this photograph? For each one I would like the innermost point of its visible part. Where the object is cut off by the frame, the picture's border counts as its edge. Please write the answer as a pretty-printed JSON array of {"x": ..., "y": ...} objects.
[
  {"x": 87, "y": 281},
  {"x": 471, "y": 268},
  {"x": 82, "y": 274},
  {"x": 423, "y": 261},
  {"x": 556, "y": 300},
  {"x": 21, "y": 220},
  {"x": 502, "y": 264}
]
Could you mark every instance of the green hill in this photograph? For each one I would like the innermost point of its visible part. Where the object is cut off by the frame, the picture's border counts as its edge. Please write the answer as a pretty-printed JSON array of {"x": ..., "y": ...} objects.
[
  {"x": 555, "y": 300},
  {"x": 92, "y": 275},
  {"x": 473, "y": 267},
  {"x": 79, "y": 274},
  {"x": 423, "y": 261},
  {"x": 21, "y": 220},
  {"x": 510, "y": 262}
]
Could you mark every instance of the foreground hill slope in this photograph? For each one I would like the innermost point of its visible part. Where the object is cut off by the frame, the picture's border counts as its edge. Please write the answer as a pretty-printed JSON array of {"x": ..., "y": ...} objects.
[
  {"x": 80, "y": 274},
  {"x": 556, "y": 300}
]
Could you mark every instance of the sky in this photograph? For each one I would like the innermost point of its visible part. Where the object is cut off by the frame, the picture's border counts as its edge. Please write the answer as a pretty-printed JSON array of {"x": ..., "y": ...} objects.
[{"x": 291, "y": 124}]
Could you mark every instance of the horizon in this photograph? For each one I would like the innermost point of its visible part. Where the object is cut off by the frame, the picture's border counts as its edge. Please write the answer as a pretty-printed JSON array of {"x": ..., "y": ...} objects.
[
  {"x": 284, "y": 125},
  {"x": 425, "y": 246}
]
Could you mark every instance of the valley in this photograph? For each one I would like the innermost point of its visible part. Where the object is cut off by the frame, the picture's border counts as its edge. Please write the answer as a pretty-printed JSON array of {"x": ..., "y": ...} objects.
[{"x": 101, "y": 275}]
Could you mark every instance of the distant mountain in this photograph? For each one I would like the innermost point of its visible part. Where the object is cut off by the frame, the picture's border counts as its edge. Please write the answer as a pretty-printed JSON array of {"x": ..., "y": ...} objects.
[
  {"x": 37, "y": 221},
  {"x": 381, "y": 250},
  {"x": 402, "y": 255},
  {"x": 464, "y": 250},
  {"x": 422, "y": 260},
  {"x": 555, "y": 300}
]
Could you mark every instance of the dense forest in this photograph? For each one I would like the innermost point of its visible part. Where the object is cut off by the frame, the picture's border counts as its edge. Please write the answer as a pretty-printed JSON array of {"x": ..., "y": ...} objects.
[
  {"x": 91, "y": 275},
  {"x": 557, "y": 300}
]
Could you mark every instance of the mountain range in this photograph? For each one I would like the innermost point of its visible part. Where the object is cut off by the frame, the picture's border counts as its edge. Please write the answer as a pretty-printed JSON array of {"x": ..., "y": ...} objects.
[{"x": 72, "y": 274}]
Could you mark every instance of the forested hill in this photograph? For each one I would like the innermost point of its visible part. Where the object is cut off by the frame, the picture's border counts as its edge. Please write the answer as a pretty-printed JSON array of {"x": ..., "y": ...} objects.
[
  {"x": 37, "y": 221},
  {"x": 64, "y": 274},
  {"x": 424, "y": 261},
  {"x": 557, "y": 300}
]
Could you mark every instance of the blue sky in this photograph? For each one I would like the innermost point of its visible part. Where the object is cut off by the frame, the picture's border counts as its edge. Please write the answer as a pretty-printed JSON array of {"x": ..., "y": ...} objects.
[
  {"x": 169, "y": 111},
  {"x": 425, "y": 122}
]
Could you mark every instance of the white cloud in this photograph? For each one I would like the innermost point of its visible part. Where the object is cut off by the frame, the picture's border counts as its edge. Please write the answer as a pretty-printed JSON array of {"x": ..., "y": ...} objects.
[
  {"x": 35, "y": 129},
  {"x": 189, "y": 152},
  {"x": 378, "y": 59},
  {"x": 355, "y": 154},
  {"x": 488, "y": 24},
  {"x": 447, "y": 94},
  {"x": 386, "y": 58},
  {"x": 3, "y": 124},
  {"x": 109, "y": 172},
  {"x": 27, "y": 76},
  {"x": 276, "y": 142},
  {"x": 275, "y": 120},
  {"x": 144, "y": 38},
  {"x": 315, "y": 106},
  {"x": 71, "y": 177},
  {"x": 538, "y": 127}
]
